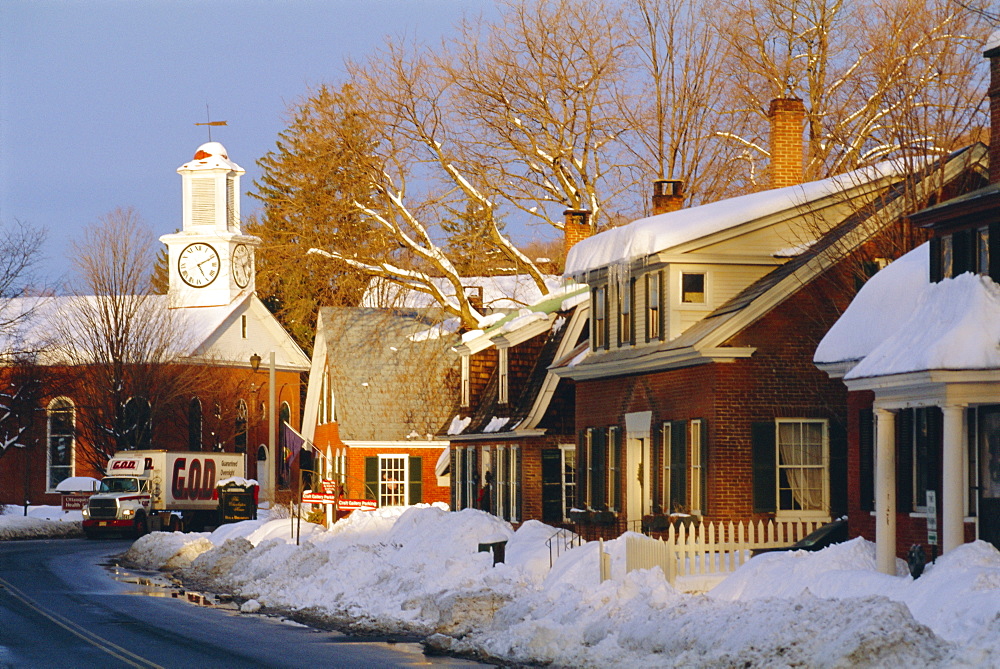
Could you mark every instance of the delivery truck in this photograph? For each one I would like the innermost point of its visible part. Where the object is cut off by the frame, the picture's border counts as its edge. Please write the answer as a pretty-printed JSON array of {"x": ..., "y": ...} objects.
[{"x": 144, "y": 491}]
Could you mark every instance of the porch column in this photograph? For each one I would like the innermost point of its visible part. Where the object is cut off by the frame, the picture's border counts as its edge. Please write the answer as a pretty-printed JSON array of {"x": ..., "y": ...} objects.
[
  {"x": 885, "y": 491},
  {"x": 952, "y": 479}
]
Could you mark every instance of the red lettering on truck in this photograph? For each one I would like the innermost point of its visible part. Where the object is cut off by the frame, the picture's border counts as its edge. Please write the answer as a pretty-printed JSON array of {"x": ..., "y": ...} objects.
[
  {"x": 177, "y": 482},
  {"x": 208, "y": 480}
]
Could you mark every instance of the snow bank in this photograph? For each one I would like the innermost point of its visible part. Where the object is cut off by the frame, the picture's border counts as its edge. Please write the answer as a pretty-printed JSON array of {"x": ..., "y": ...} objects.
[
  {"x": 419, "y": 570},
  {"x": 42, "y": 522}
]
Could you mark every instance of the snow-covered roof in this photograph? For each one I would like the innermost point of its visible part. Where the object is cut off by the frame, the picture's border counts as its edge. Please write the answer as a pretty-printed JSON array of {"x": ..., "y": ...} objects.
[
  {"x": 883, "y": 303},
  {"x": 901, "y": 323},
  {"x": 654, "y": 234},
  {"x": 52, "y": 326},
  {"x": 211, "y": 155},
  {"x": 499, "y": 292}
]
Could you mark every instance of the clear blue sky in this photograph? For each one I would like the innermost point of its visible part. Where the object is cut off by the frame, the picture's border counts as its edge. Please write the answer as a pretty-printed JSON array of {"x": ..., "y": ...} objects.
[{"x": 98, "y": 98}]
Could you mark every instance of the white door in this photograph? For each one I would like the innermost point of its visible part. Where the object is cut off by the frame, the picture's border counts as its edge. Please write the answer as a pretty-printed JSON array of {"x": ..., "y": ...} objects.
[{"x": 635, "y": 485}]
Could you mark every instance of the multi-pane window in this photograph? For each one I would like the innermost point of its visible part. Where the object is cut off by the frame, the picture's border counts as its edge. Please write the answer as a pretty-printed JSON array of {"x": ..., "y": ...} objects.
[
  {"x": 802, "y": 462},
  {"x": 137, "y": 424},
  {"x": 465, "y": 389},
  {"x": 653, "y": 306},
  {"x": 947, "y": 257},
  {"x": 600, "y": 306},
  {"x": 503, "y": 371},
  {"x": 983, "y": 250},
  {"x": 506, "y": 483},
  {"x": 673, "y": 459},
  {"x": 240, "y": 435},
  {"x": 325, "y": 412},
  {"x": 568, "y": 478},
  {"x": 698, "y": 469},
  {"x": 194, "y": 425},
  {"x": 626, "y": 299},
  {"x": 692, "y": 288},
  {"x": 392, "y": 480},
  {"x": 61, "y": 440}
]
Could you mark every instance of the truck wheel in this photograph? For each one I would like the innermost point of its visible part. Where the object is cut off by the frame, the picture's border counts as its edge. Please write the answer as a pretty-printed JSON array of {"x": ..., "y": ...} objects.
[{"x": 141, "y": 526}]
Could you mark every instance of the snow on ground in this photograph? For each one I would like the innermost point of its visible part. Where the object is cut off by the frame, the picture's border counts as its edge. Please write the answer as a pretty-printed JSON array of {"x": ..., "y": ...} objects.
[
  {"x": 418, "y": 570},
  {"x": 41, "y": 522}
]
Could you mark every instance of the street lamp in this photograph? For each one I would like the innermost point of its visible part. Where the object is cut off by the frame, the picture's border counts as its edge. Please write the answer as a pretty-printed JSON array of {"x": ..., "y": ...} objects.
[{"x": 271, "y": 419}]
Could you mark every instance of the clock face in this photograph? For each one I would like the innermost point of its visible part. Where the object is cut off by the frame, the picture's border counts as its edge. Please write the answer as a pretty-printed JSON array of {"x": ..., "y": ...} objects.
[
  {"x": 198, "y": 265},
  {"x": 242, "y": 265}
]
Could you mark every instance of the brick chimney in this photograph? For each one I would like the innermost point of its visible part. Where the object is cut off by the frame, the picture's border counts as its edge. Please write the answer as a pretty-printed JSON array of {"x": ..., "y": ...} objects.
[
  {"x": 577, "y": 227},
  {"x": 786, "y": 116},
  {"x": 993, "y": 53},
  {"x": 668, "y": 195}
]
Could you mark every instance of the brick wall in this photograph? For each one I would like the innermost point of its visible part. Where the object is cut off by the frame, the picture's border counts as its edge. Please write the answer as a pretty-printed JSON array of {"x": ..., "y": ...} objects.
[
  {"x": 432, "y": 492},
  {"x": 786, "y": 142}
]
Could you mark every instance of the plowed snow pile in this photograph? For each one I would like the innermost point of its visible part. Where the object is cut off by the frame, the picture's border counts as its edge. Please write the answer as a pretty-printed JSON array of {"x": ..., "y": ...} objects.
[{"x": 419, "y": 570}]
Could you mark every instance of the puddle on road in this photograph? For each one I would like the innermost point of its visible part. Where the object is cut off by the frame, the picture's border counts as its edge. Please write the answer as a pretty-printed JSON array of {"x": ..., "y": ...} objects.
[{"x": 154, "y": 585}]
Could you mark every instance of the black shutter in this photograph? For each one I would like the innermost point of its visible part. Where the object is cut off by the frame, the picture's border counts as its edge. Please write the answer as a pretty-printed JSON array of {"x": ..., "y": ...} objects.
[
  {"x": 615, "y": 456},
  {"x": 866, "y": 452},
  {"x": 838, "y": 469},
  {"x": 764, "y": 467},
  {"x": 416, "y": 480},
  {"x": 371, "y": 478},
  {"x": 935, "y": 449},
  {"x": 678, "y": 466},
  {"x": 551, "y": 485},
  {"x": 607, "y": 316},
  {"x": 904, "y": 461},
  {"x": 935, "y": 259},
  {"x": 598, "y": 467},
  {"x": 663, "y": 307}
]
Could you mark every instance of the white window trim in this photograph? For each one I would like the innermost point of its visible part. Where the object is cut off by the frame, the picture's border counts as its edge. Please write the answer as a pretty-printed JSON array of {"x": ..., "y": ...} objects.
[
  {"x": 466, "y": 394},
  {"x": 695, "y": 466},
  {"x": 48, "y": 441},
  {"x": 406, "y": 476},
  {"x": 504, "y": 378},
  {"x": 654, "y": 317},
  {"x": 791, "y": 513},
  {"x": 563, "y": 449}
]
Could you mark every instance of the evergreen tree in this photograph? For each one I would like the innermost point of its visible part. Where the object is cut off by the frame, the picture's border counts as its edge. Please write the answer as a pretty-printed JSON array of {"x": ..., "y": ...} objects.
[{"x": 309, "y": 186}]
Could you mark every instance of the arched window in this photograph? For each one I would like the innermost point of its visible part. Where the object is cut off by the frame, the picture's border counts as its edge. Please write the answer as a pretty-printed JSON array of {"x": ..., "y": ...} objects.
[
  {"x": 138, "y": 428},
  {"x": 284, "y": 466},
  {"x": 194, "y": 425},
  {"x": 61, "y": 440},
  {"x": 240, "y": 440}
]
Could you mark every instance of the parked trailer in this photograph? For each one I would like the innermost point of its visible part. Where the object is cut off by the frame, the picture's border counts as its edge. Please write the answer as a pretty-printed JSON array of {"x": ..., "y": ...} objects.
[{"x": 145, "y": 491}]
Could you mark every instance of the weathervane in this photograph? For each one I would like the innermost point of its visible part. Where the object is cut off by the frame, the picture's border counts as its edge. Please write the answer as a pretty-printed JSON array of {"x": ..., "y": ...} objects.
[{"x": 210, "y": 123}]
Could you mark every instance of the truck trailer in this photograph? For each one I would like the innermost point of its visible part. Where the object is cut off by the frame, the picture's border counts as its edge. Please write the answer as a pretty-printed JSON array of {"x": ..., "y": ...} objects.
[{"x": 148, "y": 491}]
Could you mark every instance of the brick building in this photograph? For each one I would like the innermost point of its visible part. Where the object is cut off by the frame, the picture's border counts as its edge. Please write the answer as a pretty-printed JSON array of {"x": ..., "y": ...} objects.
[
  {"x": 696, "y": 393},
  {"x": 917, "y": 349},
  {"x": 513, "y": 443},
  {"x": 214, "y": 329}
]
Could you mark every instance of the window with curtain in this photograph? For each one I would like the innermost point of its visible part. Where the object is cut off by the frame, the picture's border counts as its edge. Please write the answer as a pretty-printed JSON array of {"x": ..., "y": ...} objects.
[{"x": 802, "y": 461}]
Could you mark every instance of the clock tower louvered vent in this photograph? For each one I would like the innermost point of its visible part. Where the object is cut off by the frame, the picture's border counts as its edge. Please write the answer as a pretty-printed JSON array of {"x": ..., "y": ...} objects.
[
  {"x": 203, "y": 201},
  {"x": 211, "y": 261},
  {"x": 232, "y": 215}
]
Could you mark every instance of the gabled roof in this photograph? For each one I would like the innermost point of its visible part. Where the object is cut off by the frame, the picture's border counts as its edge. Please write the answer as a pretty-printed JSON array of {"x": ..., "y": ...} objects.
[
  {"x": 705, "y": 341},
  {"x": 662, "y": 232},
  {"x": 498, "y": 292},
  {"x": 393, "y": 374},
  {"x": 196, "y": 334},
  {"x": 527, "y": 414}
]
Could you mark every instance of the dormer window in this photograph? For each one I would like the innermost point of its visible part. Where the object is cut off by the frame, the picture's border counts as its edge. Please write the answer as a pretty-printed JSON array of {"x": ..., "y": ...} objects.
[
  {"x": 599, "y": 297},
  {"x": 693, "y": 288},
  {"x": 626, "y": 300},
  {"x": 502, "y": 364},
  {"x": 964, "y": 250},
  {"x": 654, "y": 306},
  {"x": 983, "y": 250}
]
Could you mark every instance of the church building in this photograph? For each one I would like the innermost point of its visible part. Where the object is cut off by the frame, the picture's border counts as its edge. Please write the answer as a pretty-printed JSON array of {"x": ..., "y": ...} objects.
[{"x": 233, "y": 373}]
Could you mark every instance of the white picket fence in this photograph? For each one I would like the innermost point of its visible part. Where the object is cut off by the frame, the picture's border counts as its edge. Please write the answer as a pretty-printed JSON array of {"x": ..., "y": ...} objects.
[{"x": 706, "y": 549}]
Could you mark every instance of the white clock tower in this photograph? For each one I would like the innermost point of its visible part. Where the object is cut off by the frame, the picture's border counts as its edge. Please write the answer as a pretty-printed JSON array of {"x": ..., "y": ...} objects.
[{"x": 211, "y": 261}]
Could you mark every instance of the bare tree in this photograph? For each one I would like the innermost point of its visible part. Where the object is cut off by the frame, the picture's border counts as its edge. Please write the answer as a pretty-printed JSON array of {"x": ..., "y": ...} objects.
[
  {"x": 120, "y": 341},
  {"x": 879, "y": 78}
]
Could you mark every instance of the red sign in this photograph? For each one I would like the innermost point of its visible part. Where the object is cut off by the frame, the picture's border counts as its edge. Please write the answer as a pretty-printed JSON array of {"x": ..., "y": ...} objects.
[
  {"x": 74, "y": 501},
  {"x": 310, "y": 497}
]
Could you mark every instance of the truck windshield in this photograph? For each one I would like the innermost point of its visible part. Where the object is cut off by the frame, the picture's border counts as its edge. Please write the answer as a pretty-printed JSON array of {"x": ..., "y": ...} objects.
[{"x": 119, "y": 485}]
